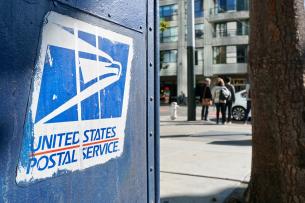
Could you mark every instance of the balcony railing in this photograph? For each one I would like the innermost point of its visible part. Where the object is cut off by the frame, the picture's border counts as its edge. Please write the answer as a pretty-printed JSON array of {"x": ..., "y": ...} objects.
[
  {"x": 224, "y": 59},
  {"x": 168, "y": 39},
  {"x": 228, "y": 9},
  {"x": 169, "y": 18},
  {"x": 230, "y": 33}
]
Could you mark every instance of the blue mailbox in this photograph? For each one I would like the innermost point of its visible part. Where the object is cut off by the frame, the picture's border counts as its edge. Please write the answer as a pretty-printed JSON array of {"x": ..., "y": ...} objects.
[{"x": 79, "y": 110}]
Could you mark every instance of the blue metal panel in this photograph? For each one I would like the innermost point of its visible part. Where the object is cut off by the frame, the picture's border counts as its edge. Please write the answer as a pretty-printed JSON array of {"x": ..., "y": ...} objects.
[
  {"x": 124, "y": 179},
  {"x": 131, "y": 14},
  {"x": 157, "y": 100},
  {"x": 151, "y": 101}
]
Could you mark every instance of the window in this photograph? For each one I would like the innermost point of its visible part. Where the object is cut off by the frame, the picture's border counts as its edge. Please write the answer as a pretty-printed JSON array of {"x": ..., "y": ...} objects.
[
  {"x": 239, "y": 84},
  {"x": 199, "y": 57},
  {"x": 198, "y": 7},
  {"x": 230, "y": 54},
  {"x": 219, "y": 55},
  {"x": 243, "y": 27},
  {"x": 169, "y": 35},
  {"x": 242, "y": 5},
  {"x": 232, "y": 5},
  {"x": 222, "y": 6},
  {"x": 199, "y": 31},
  {"x": 233, "y": 28},
  {"x": 220, "y": 29},
  {"x": 168, "y": 56},
  {"x": 168, "y": 12},
  {"x": 242, "y": 53}
]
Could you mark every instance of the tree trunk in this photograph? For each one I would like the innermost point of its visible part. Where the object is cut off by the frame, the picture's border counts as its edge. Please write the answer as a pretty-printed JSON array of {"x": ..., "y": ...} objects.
[{"x": 277, "y": 75}]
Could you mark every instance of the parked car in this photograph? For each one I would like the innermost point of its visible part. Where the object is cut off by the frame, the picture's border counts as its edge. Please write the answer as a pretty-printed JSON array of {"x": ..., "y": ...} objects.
[{"x": 239, "y": 106}]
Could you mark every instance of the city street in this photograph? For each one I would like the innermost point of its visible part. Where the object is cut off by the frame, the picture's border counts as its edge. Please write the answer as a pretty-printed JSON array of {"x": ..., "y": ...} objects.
[{"x": 201, "y": 161}]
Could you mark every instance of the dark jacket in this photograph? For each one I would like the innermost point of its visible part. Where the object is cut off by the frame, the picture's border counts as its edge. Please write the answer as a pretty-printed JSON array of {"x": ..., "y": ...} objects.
[
  {"x": 232, "y": 90},
  {"x": 205, "y": 92}
]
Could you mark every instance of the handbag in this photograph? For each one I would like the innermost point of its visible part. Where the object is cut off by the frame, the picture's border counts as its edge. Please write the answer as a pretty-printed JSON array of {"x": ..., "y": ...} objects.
[{"x": 206, "y": 101}]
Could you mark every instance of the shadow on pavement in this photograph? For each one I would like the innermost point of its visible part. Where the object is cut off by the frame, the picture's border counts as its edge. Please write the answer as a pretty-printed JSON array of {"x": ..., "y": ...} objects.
[
  {"x": 185, "y": 123},
  {"x": 198, "y": 122},
  {"x": 227, "y": 134},
  {"x": 205, "y": 135},
  {"x": 217, "y": 198},
  {"x": 233, "y": 142}
]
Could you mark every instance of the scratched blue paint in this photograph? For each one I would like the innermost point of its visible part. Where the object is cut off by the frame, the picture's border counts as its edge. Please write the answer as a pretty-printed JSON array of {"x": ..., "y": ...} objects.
[
  {"x": 56, "y": 79},
  {"x": 27, "y": 146},
  {"x": 90, "y": 109},
  {"x": 112, "y": 95}
]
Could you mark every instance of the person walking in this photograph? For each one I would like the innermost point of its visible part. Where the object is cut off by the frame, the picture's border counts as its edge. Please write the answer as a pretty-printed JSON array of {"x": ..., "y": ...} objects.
[
  {"x": 220, "y": 94},
  {"x": 230, "y": 100},
  {"x": 248, "y": 90},
  {"x": 181, "y": 99},
  {"x": 206, "y": 99}
]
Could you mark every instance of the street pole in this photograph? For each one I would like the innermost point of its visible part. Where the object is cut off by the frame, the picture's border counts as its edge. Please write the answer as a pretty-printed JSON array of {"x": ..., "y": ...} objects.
[{"x": 191, "y": 103}]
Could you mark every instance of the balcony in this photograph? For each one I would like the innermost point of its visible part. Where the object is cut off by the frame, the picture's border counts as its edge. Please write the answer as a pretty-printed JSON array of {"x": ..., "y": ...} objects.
[
  {"x": 238, "y": 40},
  {"x": 230, "y": 33},
  {"x": 229, "y": 8},
  {"x": 238, "y": 68},
  {"x": 230, "y": 37},
  {"x": 218, "y": 14}
]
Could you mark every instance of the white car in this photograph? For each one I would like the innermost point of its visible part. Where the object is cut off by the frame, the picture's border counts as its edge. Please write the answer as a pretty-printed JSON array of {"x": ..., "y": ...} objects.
[{"x": 239, "y": 106}]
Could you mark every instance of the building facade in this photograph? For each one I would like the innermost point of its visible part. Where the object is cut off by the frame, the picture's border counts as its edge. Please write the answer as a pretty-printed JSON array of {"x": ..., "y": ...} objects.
[
  {"x": 226, "y": 40},
  {"x": 221, "y": 40}
]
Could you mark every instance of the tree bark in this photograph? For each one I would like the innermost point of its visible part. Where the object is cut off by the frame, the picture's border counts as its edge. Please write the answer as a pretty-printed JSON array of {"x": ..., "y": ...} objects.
[{"x": 277, "y": 76}]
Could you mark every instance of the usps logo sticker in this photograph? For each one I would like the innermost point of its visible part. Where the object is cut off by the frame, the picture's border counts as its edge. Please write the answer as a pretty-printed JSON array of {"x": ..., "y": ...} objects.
[{"x": 77, "y": 113}]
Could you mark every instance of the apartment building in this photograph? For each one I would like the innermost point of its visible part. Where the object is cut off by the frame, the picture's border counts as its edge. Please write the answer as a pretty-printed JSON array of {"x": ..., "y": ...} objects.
[
  {"x": 221, "y": 40},
  {"x": 226, "y": 37}
]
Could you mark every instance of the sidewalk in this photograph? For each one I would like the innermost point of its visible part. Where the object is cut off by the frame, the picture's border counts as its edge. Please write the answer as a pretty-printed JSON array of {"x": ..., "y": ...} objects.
[{"x": 201, "y": 161}]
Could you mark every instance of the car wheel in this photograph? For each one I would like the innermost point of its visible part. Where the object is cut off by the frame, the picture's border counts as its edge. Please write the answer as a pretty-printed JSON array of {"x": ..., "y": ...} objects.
[{"x": 239, "y": 113}]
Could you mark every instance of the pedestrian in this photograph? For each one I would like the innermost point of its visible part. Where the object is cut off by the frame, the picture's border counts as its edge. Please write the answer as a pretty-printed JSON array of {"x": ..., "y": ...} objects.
[
  {"x": 248, "y": 90},
  {"x": 205, "y": 99},
  {"x": 181, "y": 98},
  {"x": 220, "y": 94},
  {"x": 230, "y": 100}
]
